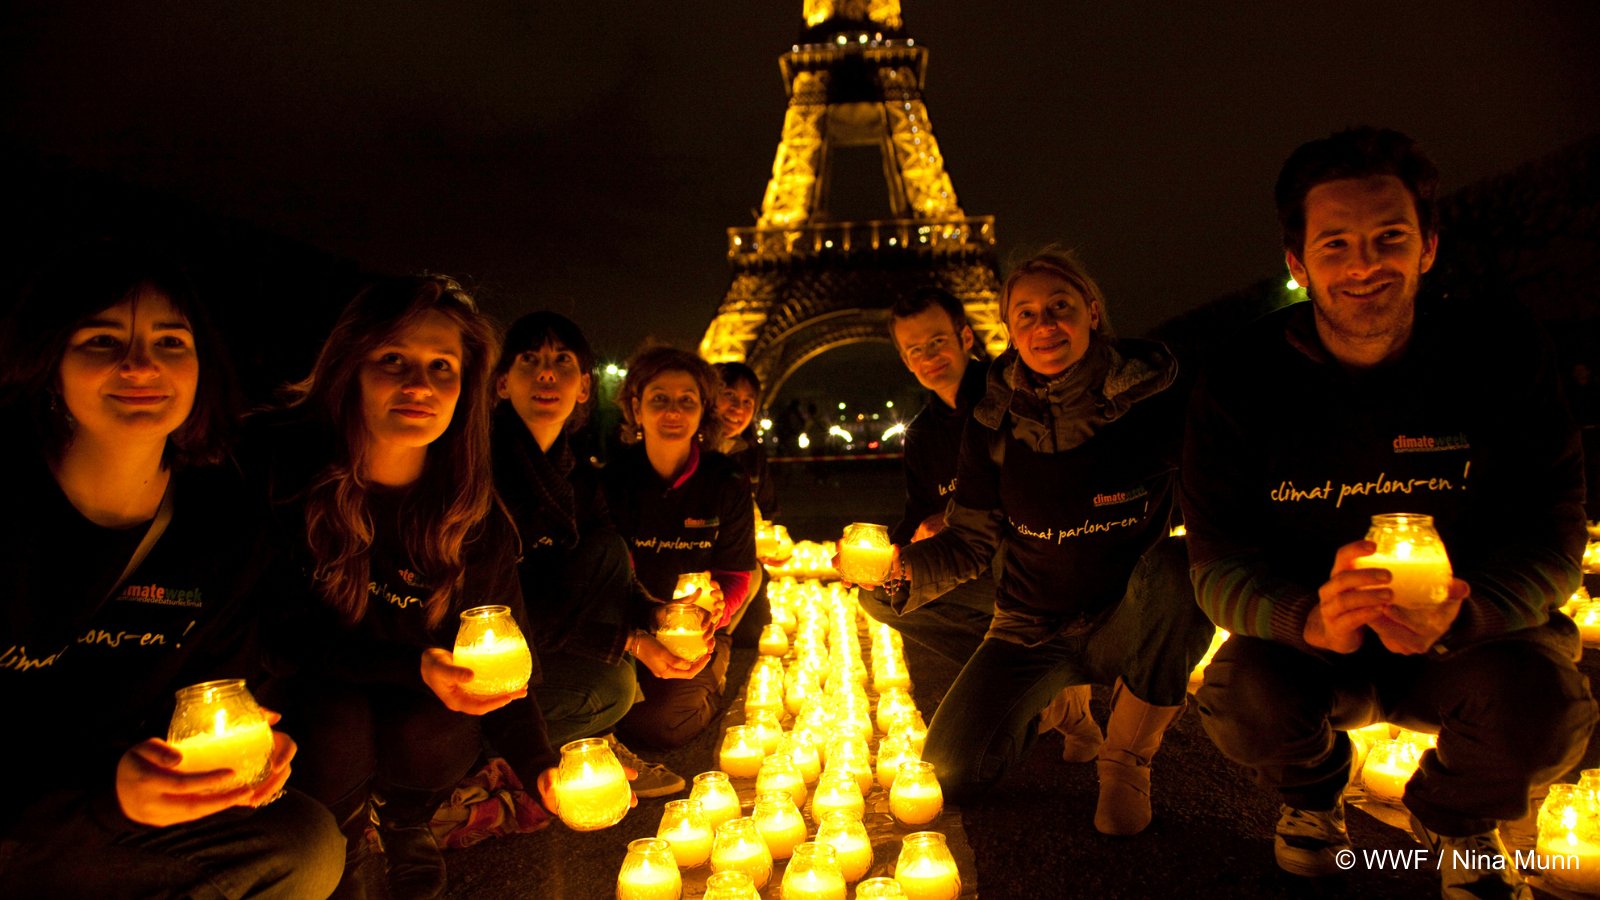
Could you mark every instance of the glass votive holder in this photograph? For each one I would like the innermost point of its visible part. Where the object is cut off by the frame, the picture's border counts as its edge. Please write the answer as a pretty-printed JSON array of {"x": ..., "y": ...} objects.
[
  {"x": 774, "y": 641},
  {"x": 491, "y": 645},
  {"x": 837, "y": 790},
  {"x": 685, "y": 827},
  {"x": 849, "y": 839},
  {"x": 778, "y": 773},
  {"x": 649, "y": 872},
  {"x": 780, "y": 822},
  {"x": 767, "y": 728},
  {"x": 218, "y": 725},
  {"x": 731, "y": 885},
  {"x": 764, "y": 698},
  {"x": 1411, "y": 549},
  {"x": 742, "y": 752},
  {"x": 894, "y": 705},
  {"x": 916, "y": 798},
  {"x": 865, "y": 553},
  {"x": 914, "y": 730},
  {"x": 892, "y": 751},
  {"x": 925, "y": 869},
  {"x": 880, "y": 889},
  {"x": 850, "y": 754},
  {"x": 1569, "y": 839},
  {"x": 738, "y": 846},
  {"x": 1389, "y": 765},
  {"x": 681, "y": 628},
  {"x": 802, "y": 751},
  {"x": 813, "y": 874},
  {"x": 718, "y": 801},
  {"x": 591, "y": 789}
]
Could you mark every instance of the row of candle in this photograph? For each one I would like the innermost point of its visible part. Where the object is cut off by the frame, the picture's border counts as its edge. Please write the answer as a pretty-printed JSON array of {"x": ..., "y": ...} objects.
[{"x": 925, "y": 870}]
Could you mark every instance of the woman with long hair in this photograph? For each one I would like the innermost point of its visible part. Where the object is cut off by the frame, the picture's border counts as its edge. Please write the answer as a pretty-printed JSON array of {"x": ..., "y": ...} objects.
[
  {"x": 683, "y": 508},
  {"x": 1093, "y": 590},
  {"x": 577, "y": 578},
  {"x": 380, "y": 471},
  {"x": 130, "y": 559}
]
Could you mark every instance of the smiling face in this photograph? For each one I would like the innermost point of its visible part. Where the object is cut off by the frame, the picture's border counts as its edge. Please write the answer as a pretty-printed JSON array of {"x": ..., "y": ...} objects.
[
  {"x": 668, "y": 409},
  {"x": 934, "y": 349},
  {"x": 410, "y": 384},
  {"x": 1362, "y": 263},
  {"x": 544, "y": 386},
  {"x": 736, "y": 407},
  {"x": 131, "y": 370},
  {"x": 1050, "y": 322}
]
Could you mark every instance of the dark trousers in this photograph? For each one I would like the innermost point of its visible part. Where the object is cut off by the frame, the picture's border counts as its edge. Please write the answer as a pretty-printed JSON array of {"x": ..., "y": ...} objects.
[
  {"x": 951, "y": 626},
  {"x": 674, "y": 710},
  {"x": 1511, "y": 714},
  {"x": 356, "y": 740},
  {"x": 988, "y": 719},
  {"x": 580, "y": 693},
  {"x": 290, "y": 849}
]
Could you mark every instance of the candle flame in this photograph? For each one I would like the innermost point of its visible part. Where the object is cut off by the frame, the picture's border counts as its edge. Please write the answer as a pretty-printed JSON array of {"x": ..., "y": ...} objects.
[{"x": 219, "y": 722}]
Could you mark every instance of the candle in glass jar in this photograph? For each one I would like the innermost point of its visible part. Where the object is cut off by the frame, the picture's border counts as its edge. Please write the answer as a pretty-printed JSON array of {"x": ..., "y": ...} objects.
[
  {"x": 773, "y": 641},
  {"x": 244, "y": 747},
  {"x": 803, "y": 753},
  {"x": 1588, "y": 618},
  {"x": 778, "y": 773},
  {"x": 1410, "y": 549},
  {"x": 491, "y": 645},
  {"x": 649, "y": 873},
  {"x": 684, "y": 827},
  {"x": 879, "y": 889},
  {"x": 916, "y": 798},
  {"x": 591, "y": 789},
  {"x": 892, "y": 751},
  {"x": 738, "y": 846},
  {"x": 837, "y": 791},
  {"x": 218, "y": 725},
  {"x": 1568, "y": 846},
  {"x": 813, "y": 874},
  {"x": 848, "y": 838},
  {"x": 685, "y": 643},
  {"x": 780, "y": 823},
  {"x": 926, "y": 870},
  {"x": 717, "y": 798},
  {"x": 730, "y": 885},
  {"x": 865, "y": 553},
  {"x": 742, "y": 752},
  {"x": 1390, "y": 764}
]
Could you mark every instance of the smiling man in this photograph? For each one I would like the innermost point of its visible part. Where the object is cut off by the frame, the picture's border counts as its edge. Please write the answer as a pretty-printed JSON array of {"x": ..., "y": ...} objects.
[{"x": 1373, "y": 403}]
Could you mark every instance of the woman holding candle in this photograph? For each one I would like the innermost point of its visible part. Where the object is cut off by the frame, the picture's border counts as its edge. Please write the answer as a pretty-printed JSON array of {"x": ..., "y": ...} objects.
[
  {"x": 380, "y": 474},
  {"x": 130, "y": 560},
  {"x": 1089, "y": 428},
  {"x": 682, "y": 508},
  {"x": 736, "y": 405},
  {"x": 577, "y": 579}
]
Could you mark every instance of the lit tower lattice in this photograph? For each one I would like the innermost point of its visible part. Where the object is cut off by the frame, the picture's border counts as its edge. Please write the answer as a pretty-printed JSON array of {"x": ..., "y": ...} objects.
[{"x": 806, "y": 278}]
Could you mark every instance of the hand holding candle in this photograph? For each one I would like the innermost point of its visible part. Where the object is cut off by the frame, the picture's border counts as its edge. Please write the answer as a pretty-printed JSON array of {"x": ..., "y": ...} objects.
[{"x": 865, "y": 555}]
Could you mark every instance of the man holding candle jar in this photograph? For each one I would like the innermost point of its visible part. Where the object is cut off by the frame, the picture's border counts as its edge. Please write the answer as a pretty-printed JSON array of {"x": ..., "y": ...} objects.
[
  {"x": 936, "y": 343},
  {"x": 1366, "y": 401}
]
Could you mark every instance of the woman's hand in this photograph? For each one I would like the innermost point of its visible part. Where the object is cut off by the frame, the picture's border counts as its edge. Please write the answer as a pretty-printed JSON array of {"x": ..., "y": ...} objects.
[
  {"x": 448, "y": 681},
  {"x": 151, "y": 791},
  {"x": 663, "y": 663}
]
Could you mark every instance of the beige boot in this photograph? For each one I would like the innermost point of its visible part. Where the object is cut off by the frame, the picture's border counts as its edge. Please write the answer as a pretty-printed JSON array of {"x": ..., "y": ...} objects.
[
  {"x": 1068, "y": 713},
  {"x": 1133, "y": 734}
]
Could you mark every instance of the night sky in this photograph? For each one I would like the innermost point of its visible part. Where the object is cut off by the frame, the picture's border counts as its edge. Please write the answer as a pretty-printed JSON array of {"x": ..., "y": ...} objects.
[{"x": 587, "y": 157}]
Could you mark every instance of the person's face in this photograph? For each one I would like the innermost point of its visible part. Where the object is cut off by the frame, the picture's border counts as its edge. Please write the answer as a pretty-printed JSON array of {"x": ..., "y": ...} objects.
[
  {"x": 736, "y": 406},
  {"x": 669, "y": 408},
  {"x": 1364, "y": 256},
  {"x": 410, "y": 385},
  {"x": 131, "y": 370},
  {"x": 1050, "y": 323},
  {"x": 545, "y": 385},
  {"x": 933, "y": 349}
]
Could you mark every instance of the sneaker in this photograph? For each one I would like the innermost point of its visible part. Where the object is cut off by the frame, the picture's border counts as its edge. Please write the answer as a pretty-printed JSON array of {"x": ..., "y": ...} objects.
[
  {"x": 1308, "y": 841},
  {"x": 1475, "y": 867},
  {"x": 655, "y": 779}
]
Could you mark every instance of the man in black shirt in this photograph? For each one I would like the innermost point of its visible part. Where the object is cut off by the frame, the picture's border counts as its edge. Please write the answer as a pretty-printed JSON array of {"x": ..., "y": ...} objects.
[{"x": 937, "y": 344}]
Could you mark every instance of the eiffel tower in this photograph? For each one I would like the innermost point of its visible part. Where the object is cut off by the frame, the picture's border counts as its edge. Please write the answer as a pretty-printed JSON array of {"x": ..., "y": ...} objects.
[{"x": 804, "y": 281}]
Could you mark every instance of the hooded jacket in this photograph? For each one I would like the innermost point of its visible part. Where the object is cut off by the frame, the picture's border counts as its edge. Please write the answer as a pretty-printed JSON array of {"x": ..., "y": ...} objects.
[{"x": 1070, "y": 478}]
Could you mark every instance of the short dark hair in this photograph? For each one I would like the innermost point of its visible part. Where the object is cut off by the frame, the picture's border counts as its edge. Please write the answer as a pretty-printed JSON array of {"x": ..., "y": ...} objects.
[
  {"x": 651, "y": 363},
  {"x": 1354, "y": 153},
  {"x": 83, "y": 280},
  {"x": 536, "y": 329},
  {"x": 925, "y": 298}
]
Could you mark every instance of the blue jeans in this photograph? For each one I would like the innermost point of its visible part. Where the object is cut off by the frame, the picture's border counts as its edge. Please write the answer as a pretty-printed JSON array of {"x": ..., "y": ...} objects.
[
  {"x": 582, "y": 696},
  {"x": 951, "y": 626},
  {"x": 1152, "y": 640},
  {"x": 290, "y": 849}
]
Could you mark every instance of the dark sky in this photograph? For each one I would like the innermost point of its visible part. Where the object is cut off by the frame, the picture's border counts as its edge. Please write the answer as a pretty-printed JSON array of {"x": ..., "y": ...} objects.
[{"x": 587, "y": 157}]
